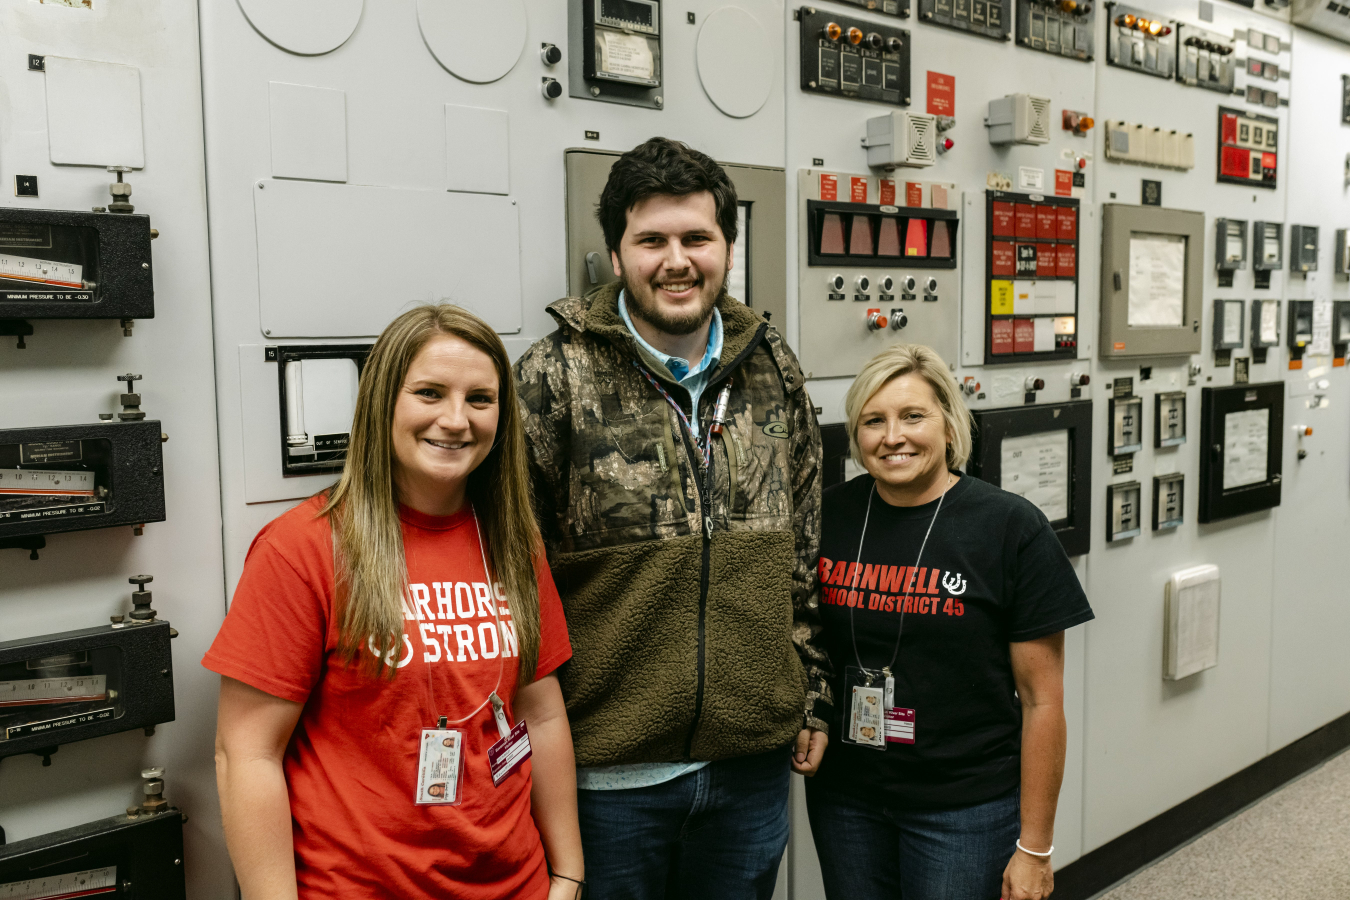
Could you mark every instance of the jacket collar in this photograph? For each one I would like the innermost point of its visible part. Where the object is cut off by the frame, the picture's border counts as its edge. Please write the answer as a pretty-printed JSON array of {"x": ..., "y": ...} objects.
[{"x": 598, "y": 313}]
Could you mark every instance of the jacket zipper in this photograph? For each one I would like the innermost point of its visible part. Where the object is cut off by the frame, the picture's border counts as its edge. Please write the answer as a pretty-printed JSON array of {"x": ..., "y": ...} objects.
[{"x": 705, "y": 509}]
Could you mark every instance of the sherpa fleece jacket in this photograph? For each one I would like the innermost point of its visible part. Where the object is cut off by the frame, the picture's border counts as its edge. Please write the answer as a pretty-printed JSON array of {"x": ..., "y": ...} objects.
[{"x": 690, "y": 591}]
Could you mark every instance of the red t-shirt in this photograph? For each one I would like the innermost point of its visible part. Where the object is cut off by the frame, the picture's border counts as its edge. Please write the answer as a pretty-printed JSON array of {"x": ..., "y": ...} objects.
[{"x": 351, "y": 765}]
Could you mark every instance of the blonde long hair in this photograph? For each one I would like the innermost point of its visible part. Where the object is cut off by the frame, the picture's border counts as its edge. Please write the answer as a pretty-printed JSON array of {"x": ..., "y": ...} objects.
[
  {"x": 370, "y": 569},
  {"x": 902, "y": 359}
]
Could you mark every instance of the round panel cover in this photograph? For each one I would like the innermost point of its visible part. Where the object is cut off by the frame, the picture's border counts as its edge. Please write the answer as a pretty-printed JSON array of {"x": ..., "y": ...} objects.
[
  {"x": 306, "y": 27},
  {"x": 476, "y": 40},
  {"x": 736, "y": 61}
]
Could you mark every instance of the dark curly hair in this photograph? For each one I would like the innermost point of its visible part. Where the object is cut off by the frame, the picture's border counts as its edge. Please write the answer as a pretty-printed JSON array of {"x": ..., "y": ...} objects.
[{"x": 663, "y": 166}]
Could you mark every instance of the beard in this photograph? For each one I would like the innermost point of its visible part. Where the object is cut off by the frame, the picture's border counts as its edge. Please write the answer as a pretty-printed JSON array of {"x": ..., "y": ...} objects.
[{"x": 643, "y": 305}]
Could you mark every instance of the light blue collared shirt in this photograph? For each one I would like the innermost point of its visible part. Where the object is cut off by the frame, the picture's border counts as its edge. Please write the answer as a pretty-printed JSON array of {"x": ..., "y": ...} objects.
[
  {"x": 637, "y": 775},
  {"x": 693, "y": 380}
]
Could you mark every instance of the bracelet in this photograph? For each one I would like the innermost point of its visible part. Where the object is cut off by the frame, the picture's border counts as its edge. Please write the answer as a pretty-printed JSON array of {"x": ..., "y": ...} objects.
[
  {"x": 566, "y": 878},
  {"x": 1044, "y": 855}
]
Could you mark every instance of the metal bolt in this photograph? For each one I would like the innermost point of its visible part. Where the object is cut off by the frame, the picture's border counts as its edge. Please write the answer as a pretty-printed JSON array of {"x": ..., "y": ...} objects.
[
  {"x": 145, "y": 265},
  {"x": 595, "y": 91},
  {"x": 660, "y": 101},
  {"x": 267, "y": 331}
]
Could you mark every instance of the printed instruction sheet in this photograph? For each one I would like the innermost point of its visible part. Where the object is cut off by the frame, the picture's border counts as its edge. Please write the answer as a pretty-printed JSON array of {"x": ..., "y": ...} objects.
[
  {"x": 1036, "y": 466},
  {"x": 1157, "y": 279}
]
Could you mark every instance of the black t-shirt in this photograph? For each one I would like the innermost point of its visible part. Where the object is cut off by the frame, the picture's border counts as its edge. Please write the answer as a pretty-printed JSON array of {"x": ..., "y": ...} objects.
[{"x": 993, "y": 573}]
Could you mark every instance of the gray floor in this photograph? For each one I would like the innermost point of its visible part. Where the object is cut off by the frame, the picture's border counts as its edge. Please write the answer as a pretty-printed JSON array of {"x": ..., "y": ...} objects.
[{"x": 1293, "y": 845}]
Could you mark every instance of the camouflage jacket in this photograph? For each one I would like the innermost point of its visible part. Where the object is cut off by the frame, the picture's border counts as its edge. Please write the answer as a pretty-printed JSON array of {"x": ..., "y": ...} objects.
[{"x": 690, "y": 593}]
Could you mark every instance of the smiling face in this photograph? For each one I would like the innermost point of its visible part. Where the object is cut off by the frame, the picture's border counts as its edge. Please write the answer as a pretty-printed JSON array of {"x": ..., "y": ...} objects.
[
  {"x": 445, "y": 420},
  {"x": 673, "y": 260},
  {"x": 902, "y": 437}
]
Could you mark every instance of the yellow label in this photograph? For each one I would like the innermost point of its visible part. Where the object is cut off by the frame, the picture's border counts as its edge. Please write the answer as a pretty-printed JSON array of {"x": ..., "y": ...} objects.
[{"x": 1000, "y": 298}]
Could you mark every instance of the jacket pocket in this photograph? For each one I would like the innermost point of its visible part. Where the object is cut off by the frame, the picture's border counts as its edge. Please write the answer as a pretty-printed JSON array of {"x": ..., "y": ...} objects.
[
  {"x": 632, "y": 615},
  {"x": 754, "y": 687}
]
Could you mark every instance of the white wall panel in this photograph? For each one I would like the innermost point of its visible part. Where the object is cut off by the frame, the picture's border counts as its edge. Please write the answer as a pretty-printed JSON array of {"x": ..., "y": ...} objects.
[{"x": 68, "y": 375}]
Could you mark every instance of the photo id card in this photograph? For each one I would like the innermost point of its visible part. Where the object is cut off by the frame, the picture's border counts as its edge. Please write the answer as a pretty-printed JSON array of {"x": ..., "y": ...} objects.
[
  {"x": 509, "y": 753},
  {"x": 438, "y": 769},
  {"x": 865, "y": 720},
  {"x": 899, "y": 726}
]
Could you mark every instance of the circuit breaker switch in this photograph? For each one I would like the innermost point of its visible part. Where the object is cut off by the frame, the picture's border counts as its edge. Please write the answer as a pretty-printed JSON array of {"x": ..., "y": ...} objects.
[{"x": 876, "y": 320}]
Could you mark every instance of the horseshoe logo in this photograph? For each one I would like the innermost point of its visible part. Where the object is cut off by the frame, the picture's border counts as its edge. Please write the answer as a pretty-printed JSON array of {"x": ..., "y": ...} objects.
[
  {"x": 389, "y": 657},
  {"x": 954, "y": 583}
]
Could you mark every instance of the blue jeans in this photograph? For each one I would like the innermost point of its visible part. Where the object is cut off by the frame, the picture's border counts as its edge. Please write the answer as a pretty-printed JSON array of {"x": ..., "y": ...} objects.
[
  {"x": 878, "y": 851},
  {"x": 715, "y": 833}
]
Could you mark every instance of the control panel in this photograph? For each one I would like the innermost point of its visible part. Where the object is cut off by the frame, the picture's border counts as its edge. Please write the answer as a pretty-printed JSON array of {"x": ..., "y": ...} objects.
[
  {"x": 1300, "y": 331},
  {"x": 986, "y": 18},
  {"x": 1242, "y": 429},
  {"x": 878, "y": 264},
  {"x": 142, "y": 849},
  {"x": 1061, "y": 27},
  {"x": 1248, "y": 145},
  {"x": 57, "y": 264},
  {"x": 1140, "y": 41},
  {"x": 75, "y": 477},
  {"x": 1267, "y": 251},
  {"x": 1169, "y": 500},
  {"x": 1230, "y": 248},
  {"x": 1303, "y": 248},
  {"x": 1031, "y": 261},
  {"x": 616, "y": 51},
  {"x": 59, "y": 688},
  {"x": 1205, "y": 59},
  {"x": 847, "y": 57},
  {"x": 318, "y": 386},
  {"x": 889, "y": 7}
]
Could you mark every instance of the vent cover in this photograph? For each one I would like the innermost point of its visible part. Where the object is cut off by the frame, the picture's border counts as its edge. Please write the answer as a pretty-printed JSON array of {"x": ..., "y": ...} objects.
[
  {"x": 1039, "y": 132},
  {"x": 921, "y": 148}
]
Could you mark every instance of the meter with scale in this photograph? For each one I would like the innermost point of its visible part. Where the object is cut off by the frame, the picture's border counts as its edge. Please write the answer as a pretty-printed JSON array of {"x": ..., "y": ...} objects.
[{"x": 623, "y": 41}]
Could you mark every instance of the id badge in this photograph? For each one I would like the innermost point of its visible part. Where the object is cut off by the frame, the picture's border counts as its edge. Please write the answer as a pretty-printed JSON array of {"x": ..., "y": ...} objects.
[
  {"x": 864, "y": 720},
  {"x": 899, "y": 725},
  {"x": 509, "y": 753},
  {"x": 439, "y": 767}
]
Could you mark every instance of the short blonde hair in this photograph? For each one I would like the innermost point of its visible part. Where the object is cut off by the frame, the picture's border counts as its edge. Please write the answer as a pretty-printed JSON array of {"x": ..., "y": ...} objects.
[{"x": 903, "y": 359}]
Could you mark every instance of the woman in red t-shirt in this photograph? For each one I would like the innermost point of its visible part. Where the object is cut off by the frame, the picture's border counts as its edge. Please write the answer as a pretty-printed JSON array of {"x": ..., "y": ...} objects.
[{"x": 371, "y": 737}]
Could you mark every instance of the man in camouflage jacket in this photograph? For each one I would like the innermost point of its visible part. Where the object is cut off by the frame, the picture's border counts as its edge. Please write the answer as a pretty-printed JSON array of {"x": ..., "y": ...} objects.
[{"x": 689, "y": 586}]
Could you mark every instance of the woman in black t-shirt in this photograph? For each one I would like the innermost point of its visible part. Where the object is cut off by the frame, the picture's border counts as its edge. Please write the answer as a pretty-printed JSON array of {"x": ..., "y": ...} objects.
[{"x": 944, "y": 601}]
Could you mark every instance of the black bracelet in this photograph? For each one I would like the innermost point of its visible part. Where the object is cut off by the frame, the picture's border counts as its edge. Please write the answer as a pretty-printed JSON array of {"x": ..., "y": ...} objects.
[{"x": 581, "y": 884}]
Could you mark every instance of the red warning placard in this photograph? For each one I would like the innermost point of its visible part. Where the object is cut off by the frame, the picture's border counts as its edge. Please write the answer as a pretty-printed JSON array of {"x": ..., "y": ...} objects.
[
  {"x": 1045, "y": 221},
  {"x": 857, "y": 190},
  {"x": 1002, "y": 226},
  {"x": 887, "y": 192},
  {"x": 1068, "y": 223},
  {"x": 1066, "y": 260},
  {"x": 1024, "y": 336},
  {"x": 1063, "y": 183},
  {"x": 1026, "y": 220},
  {"x": 1004, "y": 261},
  {"x": 1001, "y": 336},
  {"x": 829, "y": 187},
  {"x": 1045, "y": 260},
  {"x": 941, "y": 94},
  {"x": 913, "y": 193}
]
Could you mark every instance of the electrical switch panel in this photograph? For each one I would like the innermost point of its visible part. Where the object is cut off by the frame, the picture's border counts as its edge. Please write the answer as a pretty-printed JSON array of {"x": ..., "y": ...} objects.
[
  {"x": 57, "y": 264},
  {"x": 1031, "y": 266},
  {"x": 318, "y": 387},
  {"x": 1061, "y": 27},
  {"x": 1019, "y": 119},
  {"x": 1169, "y": 419},
  {"x": 60, "y": 688},
  {"x": 889, "y": 7},
  {"x": 1205, "y": 59},
  {"x": 1152, "y": 281},
  {"x": 1140, "y": 41},
  {"x": 853, "y": 58},
  {"x": 1242, "y": 430},
  {"x": 136, "y": 854},
  {"x": 1126, "y": 415},
  {"x": 1230, "y": 248},
  {"x": 1300, "y": 333},
  {"x": 1122, "y": 510},
  {"x": 1230, "y": 333},
  {"x": 901, "y": 139},
  {"x": 616, "y": 51},
  {"x": 76, "y": 477},
  {"x": 986, "y": 18},
  {"x": 1340, "y": 330},
  {"x": 1265, "y": 328},
  {"x": 878, "y": 264},
  {"x": 1149, "y": 146},
  {"x": 1303, "y": 246},
  {"x": 1342, "y": 253},
  {"x": 1247, "y": 148},
  {"x": 1169, "y": 500},
  {"x": 1267, "y": 251}
]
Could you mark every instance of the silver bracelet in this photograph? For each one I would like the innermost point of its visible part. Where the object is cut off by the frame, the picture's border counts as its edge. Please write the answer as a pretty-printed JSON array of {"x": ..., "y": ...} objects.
[{"x": 1033, "y": 852}]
